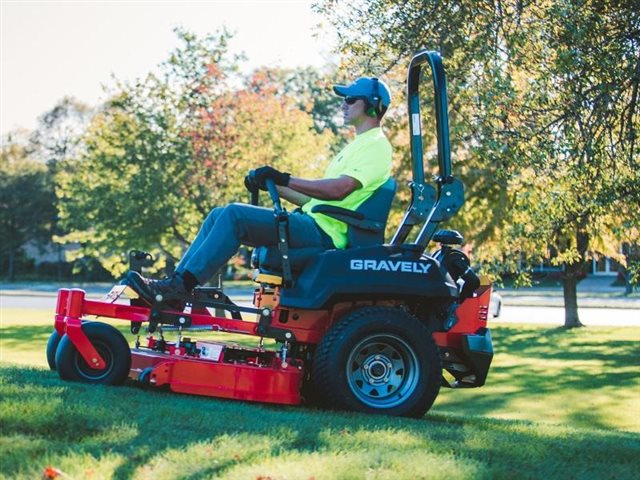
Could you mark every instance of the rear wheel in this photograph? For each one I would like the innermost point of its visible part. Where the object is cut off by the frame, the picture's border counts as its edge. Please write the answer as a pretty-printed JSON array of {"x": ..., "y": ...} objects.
[
  {"x": 52, "y": 346},
  {"x": 109, "y": 343},
  {"x": 379, "y": 360}
]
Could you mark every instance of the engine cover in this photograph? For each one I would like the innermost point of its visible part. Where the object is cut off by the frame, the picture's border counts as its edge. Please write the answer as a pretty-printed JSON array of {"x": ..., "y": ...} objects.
[{"x": 382, "y": 271}]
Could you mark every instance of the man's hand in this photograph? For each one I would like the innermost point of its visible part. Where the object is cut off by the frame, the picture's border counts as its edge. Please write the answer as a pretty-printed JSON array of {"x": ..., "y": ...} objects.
[{"x": 266, "y": 172}]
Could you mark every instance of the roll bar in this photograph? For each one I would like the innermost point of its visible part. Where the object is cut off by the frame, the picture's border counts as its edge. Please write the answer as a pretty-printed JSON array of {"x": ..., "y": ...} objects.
[{"x": 429, "y": 206}]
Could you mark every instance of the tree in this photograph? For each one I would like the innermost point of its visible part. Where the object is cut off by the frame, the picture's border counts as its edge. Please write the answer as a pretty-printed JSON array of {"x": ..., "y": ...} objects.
[
  {"x": 123, "y": 191},
  {"x": 168, "y": 148},
  {"x": 309, "y": 88},
  {"x": 57, "y": 137},
  {"x": 580, "y": 117},
  {"x": 27, "y": 206},
  {"x": 544, "y": 116},
  {"x": 59, "y": 131},
  {"x": 379, "y": 37}
]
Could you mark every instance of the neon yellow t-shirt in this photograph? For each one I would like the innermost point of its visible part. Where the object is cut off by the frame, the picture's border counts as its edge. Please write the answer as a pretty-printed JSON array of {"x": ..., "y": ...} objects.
[{"x": 367, "y": 159}]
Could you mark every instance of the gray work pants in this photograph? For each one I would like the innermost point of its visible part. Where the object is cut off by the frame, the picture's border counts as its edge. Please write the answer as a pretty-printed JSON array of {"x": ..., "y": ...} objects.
[{"x": 226, "y": 228}]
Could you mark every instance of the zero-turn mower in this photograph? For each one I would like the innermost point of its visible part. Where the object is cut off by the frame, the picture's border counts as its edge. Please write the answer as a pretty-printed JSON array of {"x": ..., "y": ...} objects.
[{"x": 377, "y": 327}]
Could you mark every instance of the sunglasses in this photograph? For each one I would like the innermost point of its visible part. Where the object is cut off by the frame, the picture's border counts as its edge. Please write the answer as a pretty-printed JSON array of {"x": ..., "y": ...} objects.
[{"x": 352, "y": 100}]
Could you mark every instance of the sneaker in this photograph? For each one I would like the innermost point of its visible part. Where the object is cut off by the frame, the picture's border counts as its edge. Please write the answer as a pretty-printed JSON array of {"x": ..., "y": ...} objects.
[{"x": 152, "y": 291}]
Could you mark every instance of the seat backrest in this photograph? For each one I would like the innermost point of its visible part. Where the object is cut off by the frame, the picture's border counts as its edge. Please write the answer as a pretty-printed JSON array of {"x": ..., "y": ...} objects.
[
  {"x": 374, "y": 214},
  {"x": 375, "y": 208}
]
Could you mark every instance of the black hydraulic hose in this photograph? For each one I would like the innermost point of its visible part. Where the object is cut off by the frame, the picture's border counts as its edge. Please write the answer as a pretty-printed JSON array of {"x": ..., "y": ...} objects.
[{"x": 458, "y": 266}]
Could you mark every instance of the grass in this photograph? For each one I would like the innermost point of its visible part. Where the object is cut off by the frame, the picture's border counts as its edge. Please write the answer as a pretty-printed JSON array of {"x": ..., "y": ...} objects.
[{"x": 558, "y": 404}]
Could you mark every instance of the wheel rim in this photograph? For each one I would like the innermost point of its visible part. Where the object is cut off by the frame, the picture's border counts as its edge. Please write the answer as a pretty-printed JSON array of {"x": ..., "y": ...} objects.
[
  {"x": 382, "y": 371},
  {"x": 91, "y": 373}
]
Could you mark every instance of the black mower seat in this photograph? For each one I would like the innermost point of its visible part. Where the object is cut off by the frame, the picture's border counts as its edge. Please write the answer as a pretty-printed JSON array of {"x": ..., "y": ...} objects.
[{"x": 365, "y": 227}]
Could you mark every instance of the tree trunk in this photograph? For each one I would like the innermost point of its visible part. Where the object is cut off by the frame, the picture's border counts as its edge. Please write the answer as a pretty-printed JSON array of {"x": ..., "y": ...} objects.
[
  {"x": 572, "y": 273},
  {"x": 570, "y": 284}
]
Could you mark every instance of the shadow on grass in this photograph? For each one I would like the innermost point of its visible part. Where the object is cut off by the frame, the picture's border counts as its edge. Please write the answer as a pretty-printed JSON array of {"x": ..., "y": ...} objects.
[
  {"x": 570, "y": 344},
  {"x": 44, "y": 419},
  {"x": 543, "y": 366},
  {"x": 16, "y": 336},
  {"x": 576, "y": 376}
]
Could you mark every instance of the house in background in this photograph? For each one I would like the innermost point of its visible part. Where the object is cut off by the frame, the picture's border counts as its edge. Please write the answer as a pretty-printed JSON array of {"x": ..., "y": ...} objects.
[
  {"x": 604, "y": 266},
  {"x": 598, "y": 265}
]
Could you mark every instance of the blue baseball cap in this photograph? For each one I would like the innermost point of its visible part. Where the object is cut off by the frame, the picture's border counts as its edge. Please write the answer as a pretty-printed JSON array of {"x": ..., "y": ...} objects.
[{"x": 369, "y": 88}]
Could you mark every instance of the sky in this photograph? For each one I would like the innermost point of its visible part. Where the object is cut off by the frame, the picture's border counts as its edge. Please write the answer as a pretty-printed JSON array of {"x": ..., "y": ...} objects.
[{"x": 52, "y": 49}]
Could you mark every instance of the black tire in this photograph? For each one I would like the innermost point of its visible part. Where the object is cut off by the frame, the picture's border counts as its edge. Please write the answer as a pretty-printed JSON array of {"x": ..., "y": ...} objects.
[
  {"x": 378, "y": 360},
  {"x": 52, "y": 346},
  {"x": 112, "y": 347}
]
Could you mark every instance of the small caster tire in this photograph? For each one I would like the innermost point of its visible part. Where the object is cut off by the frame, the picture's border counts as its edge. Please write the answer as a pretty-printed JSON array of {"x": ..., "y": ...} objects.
[
  {"x": 109, "y": 343},
  {"x": 144, "y": 379},
  {"x": 52, "y": 347}
]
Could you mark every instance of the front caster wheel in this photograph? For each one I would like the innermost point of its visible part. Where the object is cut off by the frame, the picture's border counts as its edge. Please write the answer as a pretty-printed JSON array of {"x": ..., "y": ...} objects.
[
  {"x": 109, "y": 343},
  {"x": 378, "y": 360},
  {"x": 52, "y": 347},
  {"x": 144, "y": 379}
]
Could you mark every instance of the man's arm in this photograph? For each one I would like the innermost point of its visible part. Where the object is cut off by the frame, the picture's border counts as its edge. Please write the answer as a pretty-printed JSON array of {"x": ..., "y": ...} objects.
[
  {"x": 294, "y": 197},
  {"x": 326, "y": 188}
]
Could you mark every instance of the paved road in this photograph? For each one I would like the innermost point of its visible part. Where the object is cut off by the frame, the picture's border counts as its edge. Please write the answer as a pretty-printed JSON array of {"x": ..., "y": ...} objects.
[
  {"x": 23, "y": 301},
  {"x": 510, "y": 313}
]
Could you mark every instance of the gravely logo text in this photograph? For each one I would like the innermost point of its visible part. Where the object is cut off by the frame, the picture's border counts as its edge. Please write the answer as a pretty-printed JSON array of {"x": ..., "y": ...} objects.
[{"x": 389, "y": 266}]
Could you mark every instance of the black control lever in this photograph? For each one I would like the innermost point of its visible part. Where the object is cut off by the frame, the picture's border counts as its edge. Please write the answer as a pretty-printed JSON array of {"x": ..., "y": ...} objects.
[
  {"x": 254, "y": 191},
  {"x": 275, "y": 196}
]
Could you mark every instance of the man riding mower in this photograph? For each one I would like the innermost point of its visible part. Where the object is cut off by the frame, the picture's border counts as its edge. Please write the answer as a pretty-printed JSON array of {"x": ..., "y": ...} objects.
[{"x": 358, "y": 324}]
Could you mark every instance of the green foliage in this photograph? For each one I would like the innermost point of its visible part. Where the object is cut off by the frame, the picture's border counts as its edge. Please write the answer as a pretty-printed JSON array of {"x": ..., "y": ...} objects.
[
  {"x": 543, "y": 114},
  {"x": 554, "y": 393},
  {"x": 59, "y": 132},
  {"x": 27, "y": 209},
  {"x": 310, "y": 89},
  {"x": 125, "y": 190},
  {"x": 634, "y": 273},
  {"x": 167, "y": 149}
]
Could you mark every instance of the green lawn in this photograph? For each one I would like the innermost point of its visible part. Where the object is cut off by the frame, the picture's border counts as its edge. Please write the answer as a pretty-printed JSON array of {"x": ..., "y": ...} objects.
[{"x": 558, "y": 404}]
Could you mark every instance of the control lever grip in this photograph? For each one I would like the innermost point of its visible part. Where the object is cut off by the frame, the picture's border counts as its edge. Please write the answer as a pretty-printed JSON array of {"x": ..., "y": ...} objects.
[{"x": 273, "y": 193}]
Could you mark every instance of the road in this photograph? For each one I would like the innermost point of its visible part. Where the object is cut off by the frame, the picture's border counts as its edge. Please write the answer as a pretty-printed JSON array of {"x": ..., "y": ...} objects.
[
  {"x": 23, "y": 301},
  {"x": 510, "y": 313}
]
